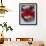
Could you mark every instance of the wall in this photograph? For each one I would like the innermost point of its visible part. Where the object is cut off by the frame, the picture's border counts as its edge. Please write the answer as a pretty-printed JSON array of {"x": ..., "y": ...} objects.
[{"x": 38, "y": 32}]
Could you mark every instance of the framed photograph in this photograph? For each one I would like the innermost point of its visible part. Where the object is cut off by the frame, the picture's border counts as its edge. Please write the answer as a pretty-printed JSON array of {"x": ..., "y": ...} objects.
[{"x": 28, "y": 13}]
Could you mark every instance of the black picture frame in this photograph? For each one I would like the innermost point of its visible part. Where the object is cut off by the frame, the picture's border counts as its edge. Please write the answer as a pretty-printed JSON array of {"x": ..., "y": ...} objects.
[{"x": 35, "y": 13}]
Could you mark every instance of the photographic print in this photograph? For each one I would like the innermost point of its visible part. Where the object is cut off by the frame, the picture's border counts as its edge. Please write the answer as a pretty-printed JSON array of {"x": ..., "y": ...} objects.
[{"x": 28, "y": 13}]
